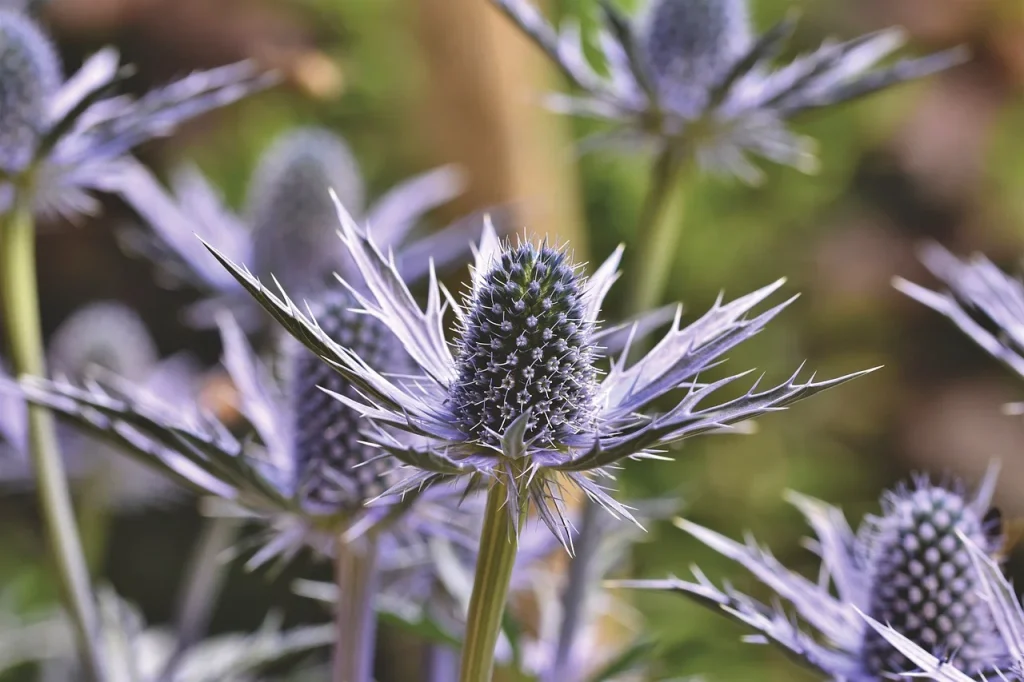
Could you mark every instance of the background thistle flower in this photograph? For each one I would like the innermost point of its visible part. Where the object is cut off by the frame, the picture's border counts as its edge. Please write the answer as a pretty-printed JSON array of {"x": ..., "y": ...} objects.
[
  {"x": 288, "y": 228},
  {"x": 906, "y": 567},
  {"x": 30, "y": 75},
  {"x": 688, "y": 74}
]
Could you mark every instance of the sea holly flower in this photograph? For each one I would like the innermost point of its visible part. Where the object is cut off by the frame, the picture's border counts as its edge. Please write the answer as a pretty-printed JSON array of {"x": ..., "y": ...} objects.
[
  {"x": 517, "y": 398},
  {"x": 985, "y": 303},
  {"x": 693, "y": 74},
  {"x": 61, "y": 139},
  {"x": 287, "y": 228},
  {"x": 907, "y": 568},
  {"x": 997, "y": 592},
  {"x": 101, "y": 339},
  {"x": 302, "y": 470}
]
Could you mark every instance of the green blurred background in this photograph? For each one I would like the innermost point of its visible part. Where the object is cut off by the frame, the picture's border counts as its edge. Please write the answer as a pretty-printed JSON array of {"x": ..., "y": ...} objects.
[{"x": 415, "y": 83}]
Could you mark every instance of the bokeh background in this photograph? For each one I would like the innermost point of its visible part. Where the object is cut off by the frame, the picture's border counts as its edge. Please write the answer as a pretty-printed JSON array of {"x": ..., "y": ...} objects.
[{"x": 416, "y": 83}]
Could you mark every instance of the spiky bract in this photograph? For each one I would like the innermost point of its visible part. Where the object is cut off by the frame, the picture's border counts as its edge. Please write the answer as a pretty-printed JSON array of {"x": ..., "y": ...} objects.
[
  {"x": 30, "y": 75},
  {"x": 906, "y": 568},
  {"x": 526, "y": 346},
  {"x": 435, "y": 404},
  {"x": 687, "y": 75}
]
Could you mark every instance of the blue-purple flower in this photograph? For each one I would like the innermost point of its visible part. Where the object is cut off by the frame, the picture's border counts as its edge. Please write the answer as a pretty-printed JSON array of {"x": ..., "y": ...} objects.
[
  {"x": 300, "y": 468},
  {"x": 517, "y": 397},
  {"x": 288, "y": 226},
  {"x": 693, "y": 74},
  {"x": 907, "y": 568},
  {"x": 61, "y": 139}
]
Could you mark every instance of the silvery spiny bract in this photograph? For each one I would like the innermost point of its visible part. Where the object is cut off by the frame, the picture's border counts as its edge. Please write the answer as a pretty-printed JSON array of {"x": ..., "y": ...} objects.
[
  {"x": 998, "y": 594},
  {"x": 984, "y": 302},
  {"x": 59, "y": 138},
  {"x": 520, "y": 400},
  {"x": 907, "y": 568},
  {"x": 301, "y": 468},
  {"x": 103, "y": 338},
  {"x": 691, "y": 74},
  {"x": 288, "y": 227}
]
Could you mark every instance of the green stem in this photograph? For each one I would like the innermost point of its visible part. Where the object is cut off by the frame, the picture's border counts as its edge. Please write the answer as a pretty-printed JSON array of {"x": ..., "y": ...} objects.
[
  {"x": 94, "y": 518},
  {"x": 21, "y": 318},
  {"x": 495, "y": 560},
  {"x": 658, "y": 231},
  {"x": 356, "y": 574}
]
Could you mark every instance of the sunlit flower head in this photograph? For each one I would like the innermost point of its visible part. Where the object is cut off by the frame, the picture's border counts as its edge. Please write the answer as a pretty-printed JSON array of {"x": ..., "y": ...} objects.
[
  {"x": 61, "y": 139},
  {"x": 907, "y": 568},
  {"x": 288, "y": 226},
  {"x": 517, "y": 397},
  {"x": 300, "y": 468},
  {"x": 692, "y": 74}
]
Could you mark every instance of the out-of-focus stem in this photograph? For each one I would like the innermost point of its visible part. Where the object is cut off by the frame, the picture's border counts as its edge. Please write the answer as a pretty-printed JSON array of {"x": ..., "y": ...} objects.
[
  {"x": 657, "y": 232},
  {"x": 356, "y": 574},
  {"x": 25, "y": 340},
  {"x": 499, "y": 544}
]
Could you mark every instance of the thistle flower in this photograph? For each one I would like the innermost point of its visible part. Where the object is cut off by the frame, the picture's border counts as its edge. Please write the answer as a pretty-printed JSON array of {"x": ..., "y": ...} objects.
[
  {"x": 61, "y": 139},
  {"x": 691, "y": 73},
  {"x": 302, "y": 470},
  {"x": 906, "y": 567},
  {"x": 520, "y": 400},
  {"x": 288, "y": 225},
  {"x": 981, "y": 300},
  {"x": 101, "y": 339},
  {"x": 998, "y": 594}
]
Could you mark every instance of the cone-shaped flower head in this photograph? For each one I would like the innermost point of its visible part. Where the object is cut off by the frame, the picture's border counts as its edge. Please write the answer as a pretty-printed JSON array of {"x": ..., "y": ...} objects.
[
  {"x": 334, "y": 468},
  {"x": 689, "y": 75},
  {"x": 105, "y": 335},
  {"x": 61, "y": 139},
  {"x": 289, "y": 207},
  {"x": 527, "y": 345},
  {"x": 288, "y": 229},
  {"x": 923, "y": 583},
  {"x": 519, "y": 400},
  {"x": 301, "y": 468},
  {"x": 30, "y": 75},
  {"x": 690, "y": 45},
  {"x": 907, "y": 568}
]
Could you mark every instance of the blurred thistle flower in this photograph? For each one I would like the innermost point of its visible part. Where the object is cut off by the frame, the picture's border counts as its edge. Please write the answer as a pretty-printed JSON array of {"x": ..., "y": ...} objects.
[
  {"x": 101, "y": 339},
  {"x": 60, "y": 139},
  {"x": 520, "y": 401},
  {"x": 288, "y": 227},
  {"x": 998, "y": 594},
  {"x": 692, "y": 74},
  {"x": 907, "y": 568},
  {"x": 985, "y": 303},
  {"x": 142, "y": 654},
  {"x": 302, "y": 470}
]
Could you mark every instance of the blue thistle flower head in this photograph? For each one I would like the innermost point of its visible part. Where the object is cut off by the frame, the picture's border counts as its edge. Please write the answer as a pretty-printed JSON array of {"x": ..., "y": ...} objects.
[
  {"x": 63, "y": 139},
  {"x": 30, "y": 75},
  {"x": 106, "y": 336},
  {"x": 519, "y": 398},
  {"x": 689, "y": 75},
  {"x": 907, "y": 568},
  {"x": 527, "y": 346}
]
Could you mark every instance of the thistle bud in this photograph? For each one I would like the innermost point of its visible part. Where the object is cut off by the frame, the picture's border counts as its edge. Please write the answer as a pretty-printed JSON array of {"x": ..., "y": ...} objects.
[
  {"x": 107, "y": 335},
  {"x": 690, "y": 45},
  {"x": 30, "y": 75},
  {"x": 289, "y": 207},
  {"x": 526, "y": 345},
  {"x": 923, "y": 584},
  {"x": 331, "y": 461}
]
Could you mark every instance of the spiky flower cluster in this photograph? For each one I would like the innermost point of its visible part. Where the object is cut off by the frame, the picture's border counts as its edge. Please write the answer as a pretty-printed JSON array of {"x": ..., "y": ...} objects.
[
  {"x": 923, "y": 583},
  {"x": 907, "y": 568},
  {"x": 526, "y": 345},
  {"x": 688, "y": 76},
  {"x": 334, "y": 469},
  {"x": 30, "y": 75}
]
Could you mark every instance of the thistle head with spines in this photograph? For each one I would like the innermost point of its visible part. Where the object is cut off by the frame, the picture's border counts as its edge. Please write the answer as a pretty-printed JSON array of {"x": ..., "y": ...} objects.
[
  {"x": 525, "y": 345},
  {"x": 30, "y": 75}
]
